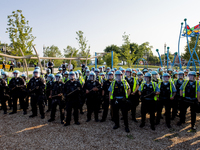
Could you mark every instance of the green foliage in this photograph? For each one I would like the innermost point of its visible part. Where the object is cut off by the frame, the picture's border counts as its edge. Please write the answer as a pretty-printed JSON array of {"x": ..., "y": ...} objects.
[
  {"x": 107, "y": 59},
  {"x": 126, "y": 50},
  {"x": 192, "y": 42},
  {"x": 68, "y": 52},
  {"x": 84, "y": 49},
  {"x": 53, "y": 51},
  {"x": 20, "y": 34}
]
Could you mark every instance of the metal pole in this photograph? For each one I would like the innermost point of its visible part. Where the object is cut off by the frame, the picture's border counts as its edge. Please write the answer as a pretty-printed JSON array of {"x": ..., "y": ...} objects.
[
  {"x": 167, "y": 58},
  {"x": 44, "y": 55},
  {"x": 87, "y": 57},
  {"x": 111, "y": 59},
  {"x": 95, "y": 60},
  {"x": 179, "y": 56},
  {"x": 164, "y": 54}
]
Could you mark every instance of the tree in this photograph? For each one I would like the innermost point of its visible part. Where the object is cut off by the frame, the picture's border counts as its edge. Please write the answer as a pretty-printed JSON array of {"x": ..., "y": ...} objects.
[
  {"x": 20, "y": 33},
  {"x": 126, "y": 50},
  {"x": 192, "y": 42},
  {"x": 107, "y": 59},
  {"x": 68, "y": 52},
  {"x": 53, "y": 51},
  {"x": 84, "y": 49}
]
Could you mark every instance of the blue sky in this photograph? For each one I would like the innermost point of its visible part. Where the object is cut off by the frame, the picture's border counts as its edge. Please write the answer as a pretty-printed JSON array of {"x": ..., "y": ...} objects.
[{"x": 103, "y": 21}]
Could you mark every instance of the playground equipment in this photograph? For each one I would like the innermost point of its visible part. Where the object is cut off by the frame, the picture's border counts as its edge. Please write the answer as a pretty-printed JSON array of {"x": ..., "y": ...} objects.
[
  {"x": 144, "y": 62},
  {"x": 159, "y": 57},
  {"x": 189, "y": 32}
]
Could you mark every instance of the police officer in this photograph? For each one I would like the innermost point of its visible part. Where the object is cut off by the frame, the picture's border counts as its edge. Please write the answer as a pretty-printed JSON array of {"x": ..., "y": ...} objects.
[
  {"x": 15, "y": 86},
  {"x": 119, "y": 91},
  {"x": 155, "y": 77},
  {"x": 56, "y": 95},
  {"x": 188, "y": 91},
  {"x": 148, "y": 91},
  {"x": 66, "y": 74},
  {"x": 64, "y": 66},
  {"x": 48, "y": 89},
  {"x": 133, "y": 87},
  {"x": 60, "y": 70},
  {"x": 160, "y": 72},
  {"x": 177, "y": 100},
  {"x": 144, "y": 71},
  {"x": 98, "y": 78},
  {"x": 48, "y": 72},
  {"x": 87, "y": 73},
  {"x": 36, "y": 88},
  {"x": 105, "y": 95},
  {"x": 72, "y": 90},
  {"x": 25, "y": 93},
  {"x": 91, "y": 88},
  {"x": 167, "y": 93},
  {"x": 3, "y": 93}
]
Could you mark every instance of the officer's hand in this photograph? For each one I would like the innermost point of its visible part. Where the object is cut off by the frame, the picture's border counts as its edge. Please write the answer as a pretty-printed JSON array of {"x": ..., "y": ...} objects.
[
  {"x": 37, "y": 87},
  {"x": 87, "y": 91},
  {"x": 60, "y": 94},
  {"x": 133, "y": 93},
  {"x": 171, "y": 98},
  {"x": 50, "y": 96},
  {"x": 95, "y": 89}
]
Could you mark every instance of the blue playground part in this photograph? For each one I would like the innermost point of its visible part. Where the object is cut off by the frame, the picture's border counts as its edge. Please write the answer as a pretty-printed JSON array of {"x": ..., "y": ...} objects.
[
  {"x": 144, "y": 62},
  {"x": 159, "y": 57}
]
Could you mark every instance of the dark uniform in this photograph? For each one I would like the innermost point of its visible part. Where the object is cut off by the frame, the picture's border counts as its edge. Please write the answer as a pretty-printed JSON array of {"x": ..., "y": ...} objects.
[
  {"x": 134, "y": 99},
  {"x": 93, "y": 100},
  {"x": 15, "y": 87},
  {"x": 72, "y": 100},
  {"x": 57, "y": 88},
  {"x": 3, "y": 93},
  {"x": 119, "y": 98},
  {"x": 36, "y": 88},
  {"x": 189, "y": 99},
  {"x": 48, "y": 88},
  {"x": 105, "y": 105}
]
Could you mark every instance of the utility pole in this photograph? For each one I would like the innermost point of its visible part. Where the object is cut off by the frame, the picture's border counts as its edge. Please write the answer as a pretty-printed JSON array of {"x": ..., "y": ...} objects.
[
  {"x": 44, "y": 55},
  {"x": 164, "y": 53}
]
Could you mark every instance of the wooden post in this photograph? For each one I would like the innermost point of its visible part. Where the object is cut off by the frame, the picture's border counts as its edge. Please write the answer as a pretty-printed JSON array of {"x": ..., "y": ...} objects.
[
  {"x": 38, "y": 58},
  {"x": 24, "y": 63},
  {"x": 87, "y": 58}
]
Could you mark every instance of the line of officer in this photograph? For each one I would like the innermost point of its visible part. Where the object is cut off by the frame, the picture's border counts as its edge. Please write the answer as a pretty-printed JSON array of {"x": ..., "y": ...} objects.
[
  {"x": 3, "y": 92},
  {"x": 119, "y": 91},
  {"x": 56, "y": 94},
  {"x": 148, "y": 91}
]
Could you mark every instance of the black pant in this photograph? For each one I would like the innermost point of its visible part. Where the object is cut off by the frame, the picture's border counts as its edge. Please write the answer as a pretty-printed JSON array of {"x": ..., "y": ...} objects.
[
  {"x": 92, "y": 106},
  {"x": 69, "y": 106},
  {"x": 49, "y": 103},
  {"x": 148, "y": 106},
  {"x": 11, "y": 68},
  {"x": 22, "y": 103},
  {"x": 175, "y": 106},
  {"x": 105, "y": 107},
  {"x": 51, "y": 69},
  {"x": 3, "y": 104},
  {"x": 54, "y": 104},
  {"x": 123, "y": 106},
  {"x": 134, "y": 103},
  {"x": 183, "y": 109},
  {"x": 37, "y": 100},
  {"x": 167, "y": 104}
]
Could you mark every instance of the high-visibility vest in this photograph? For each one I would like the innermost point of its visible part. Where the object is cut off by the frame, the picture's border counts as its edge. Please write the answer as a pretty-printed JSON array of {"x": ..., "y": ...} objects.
[
  {"x": 154, "y": 88},
  {"x": 65, "y": 80},
  {"x": 125, "y": 88},
  {"x": 170, "y": 87},
  {"x": 81, "y": 80},
  {"x": 184, "y": 85},
  {"x": 134, "y": 84}
]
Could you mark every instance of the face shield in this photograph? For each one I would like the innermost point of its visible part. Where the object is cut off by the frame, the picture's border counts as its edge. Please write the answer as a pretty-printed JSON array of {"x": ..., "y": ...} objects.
[
  {"x": 103, "y": 76},
  {"x": 107, "y": 70},
  {"x": 3, "y": 76},
  {"x": 15, "y": 75},
  {"x": 87, "y": 73},
  {"x": 180, "y": 76},
  {"x": 110, "y": 77},
  {"x": 155, "y": 76},
  {"x": 91, "y": 77},
  {"x": 36, "y": 74},
  {"x": 118, "y": 77},
  {"x": 71, "y": 76},
  {"x": 77, "y": 76},
  {"x": 128, "y": 73},
  {"x": 58, "y": 78},
  {"x": 166, "y": 79},
  {"x": 96, "y": 72},
  {"x": 147, "y": 79},
  {"x": 176, "y": 75},
  {"x": 134, "y": 74},
  {"x": 191, "y": 77},
  {"x": 100, "y": 69},
  {"x": 140, "y": 76},
  {"x": 144, "y": 72}
]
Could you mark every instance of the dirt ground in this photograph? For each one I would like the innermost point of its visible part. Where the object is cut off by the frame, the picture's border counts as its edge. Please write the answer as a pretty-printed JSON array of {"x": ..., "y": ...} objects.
[{"x": 18, "y": 131}]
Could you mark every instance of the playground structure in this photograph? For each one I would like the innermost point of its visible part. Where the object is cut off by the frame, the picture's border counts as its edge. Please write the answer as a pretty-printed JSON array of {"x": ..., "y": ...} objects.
[
  {"x": 144, "y": 62},
  {"x": 39, "y": 62},
  {"x": 189, "y": 32}
]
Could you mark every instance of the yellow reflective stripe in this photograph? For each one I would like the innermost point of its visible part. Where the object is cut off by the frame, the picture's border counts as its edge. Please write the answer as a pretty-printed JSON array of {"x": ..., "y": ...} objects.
[
  {"x": 112, "y": 85},
  {"x": 134, "y": 84},
  {"x": 184, "y": 85},
  {"x": 125, "y": 88}
]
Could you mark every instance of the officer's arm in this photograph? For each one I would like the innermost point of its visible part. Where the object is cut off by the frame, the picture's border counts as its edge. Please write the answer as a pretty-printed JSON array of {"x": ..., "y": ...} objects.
[
  {"x": 129, "y": 92},
  {"x": 102, "y": 92},
  {"x": 181, "y": 93},
  {"x": 139, "y": 92},
  {"x": 137, "y": 88},
  {"x": 198, "y": 96},
  {"x": 109, "y": 96}
]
